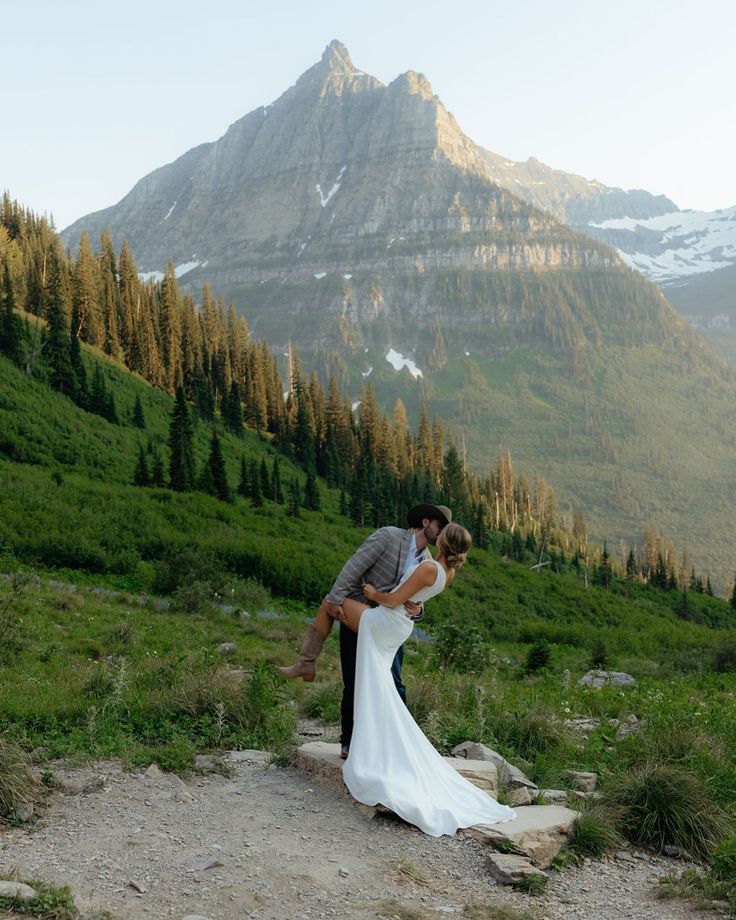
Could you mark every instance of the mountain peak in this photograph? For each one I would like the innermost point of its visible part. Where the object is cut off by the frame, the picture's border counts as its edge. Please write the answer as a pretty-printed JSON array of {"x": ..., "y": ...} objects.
[{"x": 337, "y": 57}]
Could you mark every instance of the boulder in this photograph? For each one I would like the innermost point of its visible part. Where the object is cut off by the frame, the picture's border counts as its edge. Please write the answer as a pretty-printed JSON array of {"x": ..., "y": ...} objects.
[
  {"x": 17, "y": 890},
  {"x": 599, "y": 679},
  {"x": 509, "y": 776},
  {"x": 508, "y": 869},
  {"x": 585, "y": 782},
  {"x": 538, "y": 832},
  {"x": 582, "y": 724}
]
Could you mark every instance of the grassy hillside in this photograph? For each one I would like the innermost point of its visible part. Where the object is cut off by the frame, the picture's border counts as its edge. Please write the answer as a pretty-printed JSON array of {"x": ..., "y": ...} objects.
[{"x": 628, "y": 436}]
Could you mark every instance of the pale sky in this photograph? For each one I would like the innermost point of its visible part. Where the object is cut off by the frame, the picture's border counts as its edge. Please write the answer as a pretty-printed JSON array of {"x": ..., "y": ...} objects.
[{"x": 637, "y": 93}]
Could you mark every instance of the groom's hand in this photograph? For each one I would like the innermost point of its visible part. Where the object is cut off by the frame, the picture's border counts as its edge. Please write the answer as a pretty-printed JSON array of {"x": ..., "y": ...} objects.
[
  {"x": 414, "y": 610},
  {"x": 335, "y": 611}
]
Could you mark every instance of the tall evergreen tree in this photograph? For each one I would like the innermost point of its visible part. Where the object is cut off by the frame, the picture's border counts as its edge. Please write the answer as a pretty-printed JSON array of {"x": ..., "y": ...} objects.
[
  {"x": 217, "y": 469},
  {"x": 312, "y": 498},
  {"x": 10, "y": 335},
  {"x": 63, "y": 377},
  {"x": 234, "y": 409},
  {"x": 181, "y": 435},
  {"x": 276, "y": 489},
  {"x": 158, "y": 475},
  {"x": 139, "y": 420},
  {"x": 141, "y": 476},
  {"x": 244, "y": 481},
  {"x": 256, "y": 492}
]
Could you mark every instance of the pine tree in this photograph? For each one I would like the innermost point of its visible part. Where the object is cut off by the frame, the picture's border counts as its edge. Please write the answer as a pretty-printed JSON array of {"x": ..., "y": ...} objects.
[
  {"x": 10, "y": 334},
  {"x": 110, "y": 413},
  {"x": 98, "y": 399},
  {"x": 234, "y": 409},
  {"x": 276, "y": 490},
  {"x": 75, "y": 356},
  {"x": 733, "y": 596},
  {"x": 139, "y": 419},
  {"x": 312, "y": 498},
  {"x": 217, "y": 469},
  {"x": 63, "y": 378},
  {"x": 256, "y": 492},
  {"x": 265, "y": 479},
  {"x": 181, "y": 463},
  {"x": 141, "y": 476},
  {"x": 243, "y": 483},
  {"x": 631, "y": 566},
  {"x": 294, "y": 498},
  {"x": 158, "y": 475}
]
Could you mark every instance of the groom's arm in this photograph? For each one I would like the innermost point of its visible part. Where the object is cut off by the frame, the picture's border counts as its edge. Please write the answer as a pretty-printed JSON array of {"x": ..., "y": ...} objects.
[{"x": 351, "y": 576}]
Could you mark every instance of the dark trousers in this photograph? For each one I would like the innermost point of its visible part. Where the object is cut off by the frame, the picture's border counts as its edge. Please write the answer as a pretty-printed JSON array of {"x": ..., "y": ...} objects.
[{"x": 348, "y": 654}]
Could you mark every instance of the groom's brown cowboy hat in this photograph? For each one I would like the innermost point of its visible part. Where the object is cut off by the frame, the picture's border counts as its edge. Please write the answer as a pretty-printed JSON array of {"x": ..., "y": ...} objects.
[{"x": 439, "y": 513}]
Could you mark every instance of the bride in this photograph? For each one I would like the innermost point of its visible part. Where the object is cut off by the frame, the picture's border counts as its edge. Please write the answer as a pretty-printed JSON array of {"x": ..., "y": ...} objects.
[{"x": 391, "y": 762}]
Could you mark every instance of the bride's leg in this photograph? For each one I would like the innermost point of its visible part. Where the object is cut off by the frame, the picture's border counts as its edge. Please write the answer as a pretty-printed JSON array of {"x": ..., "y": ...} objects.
[
  {"x": 353, "y": 612},
  {"x": 314, "y": 638}
]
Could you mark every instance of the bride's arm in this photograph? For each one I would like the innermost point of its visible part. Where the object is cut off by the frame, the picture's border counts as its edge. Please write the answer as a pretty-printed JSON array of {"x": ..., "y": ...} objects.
[{"x": 422, "y": 576}]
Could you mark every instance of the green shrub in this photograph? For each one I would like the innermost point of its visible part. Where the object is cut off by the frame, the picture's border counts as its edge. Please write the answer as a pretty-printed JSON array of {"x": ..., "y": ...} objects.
[
  {"x": 50, "y": 904},
  {"x": 665, "y": 804},
  {"x": 723, "y": 860},
  {"x": 538, "y": 657},
  {"x": 461, "y": 647},
  {"x": 249, "y": 594},
  {"x": 323, "y": 702},
  {"x": 194, "y": 597}
]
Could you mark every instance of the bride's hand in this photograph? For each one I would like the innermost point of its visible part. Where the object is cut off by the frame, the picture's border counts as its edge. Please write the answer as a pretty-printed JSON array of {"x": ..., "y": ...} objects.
[{"x": 370, "y": 592}]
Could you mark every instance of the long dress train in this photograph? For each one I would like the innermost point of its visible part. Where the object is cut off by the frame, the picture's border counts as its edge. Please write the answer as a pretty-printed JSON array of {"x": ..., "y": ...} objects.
[{"x": 391, "y": 761}]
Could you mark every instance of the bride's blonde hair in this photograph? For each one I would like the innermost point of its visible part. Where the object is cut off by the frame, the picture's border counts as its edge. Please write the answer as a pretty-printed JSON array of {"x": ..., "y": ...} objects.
[{"x": 454, "y": 541}]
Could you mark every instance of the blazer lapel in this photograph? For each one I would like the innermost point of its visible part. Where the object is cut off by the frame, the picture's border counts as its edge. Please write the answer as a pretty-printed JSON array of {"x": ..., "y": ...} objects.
[{"x": 403, "y": 553}]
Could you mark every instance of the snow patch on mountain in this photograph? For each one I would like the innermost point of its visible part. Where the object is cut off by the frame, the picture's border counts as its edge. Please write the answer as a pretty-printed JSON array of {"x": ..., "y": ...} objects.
[
  {"x": 673, "y": 246},
  {"x": 398, "y": 361}
]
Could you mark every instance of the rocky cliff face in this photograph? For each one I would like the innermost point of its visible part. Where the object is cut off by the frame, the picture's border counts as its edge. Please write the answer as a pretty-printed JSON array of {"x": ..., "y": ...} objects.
[{"x": 345, "y": 199}]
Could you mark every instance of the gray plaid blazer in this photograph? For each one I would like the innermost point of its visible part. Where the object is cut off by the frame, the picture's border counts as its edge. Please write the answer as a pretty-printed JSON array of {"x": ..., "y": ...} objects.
[{"x": 380, "y": 561}]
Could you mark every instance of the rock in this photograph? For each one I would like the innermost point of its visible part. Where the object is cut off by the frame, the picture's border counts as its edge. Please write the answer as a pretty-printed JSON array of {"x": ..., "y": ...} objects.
[
  {"x": 208, "y": 763},
  {"x": 625, "y": 856},
  {"x": 17, "y": 890},
  {"x": 554, "y": 796},
  {"x": 210, "y": 864},
  {"x": 343, "y": 872},
  {"x": 520, "y": 796},
  {"x": 509, "y": 776},
  {"x": 23, "y": 811},
  {"x": 585, "y": 782},
  {"x": 481, "y": 773},
  {"x": 40, "y": 754},
  {"x": 136, "y": 886},
  {"x": 582, "y": 724},
  {"x": 153, "y": 772},
  {"x": 226, "y": 648},
  {"x": 509, "y": 869},
  {"x": 599, "y": 679},
  {"x": 248, "y": 757},
  {"x": 182, "y": 794},
  {"x": 677, "y": 853},
  {"x": 538, "y": 832},
  {"x": 628, "y": 728}
]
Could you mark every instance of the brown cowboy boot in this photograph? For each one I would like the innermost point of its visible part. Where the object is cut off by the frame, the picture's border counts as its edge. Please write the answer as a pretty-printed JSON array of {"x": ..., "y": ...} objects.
[{"x": 304, "y": 665}]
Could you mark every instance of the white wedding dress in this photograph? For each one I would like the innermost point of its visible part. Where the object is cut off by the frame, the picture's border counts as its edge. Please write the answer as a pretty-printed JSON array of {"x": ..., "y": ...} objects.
[{"x": 391, "y": 762}]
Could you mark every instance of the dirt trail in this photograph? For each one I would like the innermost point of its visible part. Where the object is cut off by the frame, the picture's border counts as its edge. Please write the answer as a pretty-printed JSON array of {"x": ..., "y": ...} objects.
[{"x": 267, "y": 842}]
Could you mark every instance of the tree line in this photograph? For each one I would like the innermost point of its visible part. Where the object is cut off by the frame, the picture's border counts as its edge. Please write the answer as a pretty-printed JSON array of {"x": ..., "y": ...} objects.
[{"x": 203, "y": 354}]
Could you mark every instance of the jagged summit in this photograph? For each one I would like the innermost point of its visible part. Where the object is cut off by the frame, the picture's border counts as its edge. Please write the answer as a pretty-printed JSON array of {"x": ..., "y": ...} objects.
[{"x": 337, "y": 57}]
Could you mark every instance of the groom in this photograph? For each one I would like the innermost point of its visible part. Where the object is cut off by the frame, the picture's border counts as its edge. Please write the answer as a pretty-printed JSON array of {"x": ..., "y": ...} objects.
[{"x": 381, "y": 560}]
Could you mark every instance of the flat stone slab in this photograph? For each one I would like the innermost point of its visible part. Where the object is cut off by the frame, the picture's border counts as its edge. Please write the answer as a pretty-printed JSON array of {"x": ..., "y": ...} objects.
[
  {"x": 538, "y": 832},
  {"x": 322, "y": 759}
]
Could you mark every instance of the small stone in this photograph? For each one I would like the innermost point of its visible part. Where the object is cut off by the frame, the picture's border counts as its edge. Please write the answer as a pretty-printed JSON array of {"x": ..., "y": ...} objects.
[
  {"x": 153, "y": 772},
  {"x": 210, "y": 864},
  {"x": 226, "y": 648},
  {"x": 625, "y": 856},
  {"x": 17, "y": 890},
  {"x": 343, "y": 872},
  {"x": 520, "y": 796},
  {"x": 207, "y": 762},
  {"x": 183, "y": 795},
  {"x": 585, "y": 782},
  {"x": 509, "y": 869},
  {"x": 136, "y": 886}
]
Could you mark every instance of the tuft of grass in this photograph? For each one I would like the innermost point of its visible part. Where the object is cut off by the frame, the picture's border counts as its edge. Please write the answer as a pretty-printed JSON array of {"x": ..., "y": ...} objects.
[
  {"x": 17, "y": 783},
  {"x": 323, "y": 702},
  {"x": 668, "y": 805},
  {"x": 700, "y": 888},
  {"x": 51, "y": 903},
  {"x": 534, "y": 885},
  {"x": 412, "y": 872},
  {"x": 592, "y": 833},
  {"x": 393, "y": 910}
]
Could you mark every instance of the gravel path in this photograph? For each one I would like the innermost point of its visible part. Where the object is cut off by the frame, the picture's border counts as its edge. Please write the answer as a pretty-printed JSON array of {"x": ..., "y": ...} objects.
[{"x": 267, "y": 842}]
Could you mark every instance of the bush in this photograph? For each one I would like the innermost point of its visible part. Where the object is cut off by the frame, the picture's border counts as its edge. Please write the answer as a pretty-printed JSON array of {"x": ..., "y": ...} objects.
[
  {"x": 592, "y": 833},
  {"x": 461, "y": 648},
  {"x": 538, "y": 657},
  {"x": 194, "y": 597},
  {"x": 665, "y": 804},
  {"x": 323, "y": 702},
  {"x": 17, "y": 783},
  {"x": 724, "y": 860}
]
